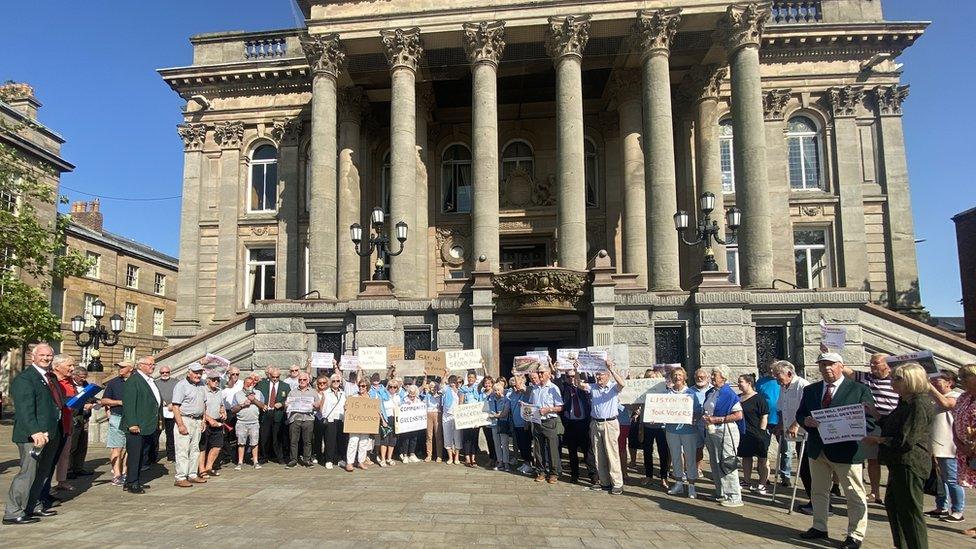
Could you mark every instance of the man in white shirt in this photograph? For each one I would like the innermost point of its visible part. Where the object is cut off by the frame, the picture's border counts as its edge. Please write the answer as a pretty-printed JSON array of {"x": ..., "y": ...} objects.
[{"x": 791, "y": 391}]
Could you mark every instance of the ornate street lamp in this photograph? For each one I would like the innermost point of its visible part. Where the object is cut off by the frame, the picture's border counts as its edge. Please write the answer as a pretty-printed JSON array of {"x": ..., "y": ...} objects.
[
  {"x": 97, "y": 334},
  {"x": 378, "y": 241},
  {"x": 707, "y": 230}
]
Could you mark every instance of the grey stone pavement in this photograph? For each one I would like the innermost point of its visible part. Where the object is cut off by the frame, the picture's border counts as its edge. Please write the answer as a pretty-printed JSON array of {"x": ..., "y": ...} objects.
[{"x": 429, "y": 504}]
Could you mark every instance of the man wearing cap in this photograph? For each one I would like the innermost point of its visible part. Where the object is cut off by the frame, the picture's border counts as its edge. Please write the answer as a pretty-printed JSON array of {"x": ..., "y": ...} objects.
[
  {"x": 189, "y": 402},
  {"x": 141, "y": 405},
  {"x": 212, "y": 435},
  {"x": 115, "y": 437},
  {"x": 843, "y": 459}
]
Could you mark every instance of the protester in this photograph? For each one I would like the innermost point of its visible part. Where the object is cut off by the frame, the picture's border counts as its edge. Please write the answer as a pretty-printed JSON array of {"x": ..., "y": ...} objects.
[
  {"x": 964, "y": 431},
  {"x": 408, "y": 441},
  {"x": 232, "y": 385},
  {"x": 943, "y": 448},
  {"x": 469, "y": 393},
  {"x": 768, "y": 387},
  {"x": 79, "y": 427},
  {"x": 843, "y": 459},
  {"x": 273, "y": 416},
  {"x": 212, "y": 433},
  {"x": 603, "y": 428},
  {"x": 501, "y": 425},
  {"x": 878, "y": 380},
  {"x": 329, "y": 420},
  {"x": 754, "y": 446},
  {"x": 624, "y": 421},
  {"x": 115, "y": 436},
  {"x": 520, "y": 428},
  {"x": 576, "y": 426},
  {"x": 683, "y": 438},
  {"x": 140, "y": 418},
  {"x": 358, "y": 442},
  {"x": 903, "y": 447},
  {"x": 292, "y": 379},
  {"x": 247, "y": 406},
  {"x": 722, "y": 416},
  {"x": 653, "y": 433},
  {"x": 485, "y": 390},
  {"x": 451, "y": 396},
  {"x": 301, "y": 423},
  {"x": 387, "y": 438},
  {"x": 544, "y": 395},
  {"x": 431, "y": 395},
  {"x": 165, "y": 384},
  {"x": 189, "y": 402},
  {"x": 703, "y": 384},
  {"x": 791, "y": 393}
]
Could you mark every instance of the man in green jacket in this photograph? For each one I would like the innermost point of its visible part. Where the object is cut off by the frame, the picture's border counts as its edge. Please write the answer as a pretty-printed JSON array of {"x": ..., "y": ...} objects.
[
  {"x": 141, "y": 406},
  {"x": 37, "y": 427}
]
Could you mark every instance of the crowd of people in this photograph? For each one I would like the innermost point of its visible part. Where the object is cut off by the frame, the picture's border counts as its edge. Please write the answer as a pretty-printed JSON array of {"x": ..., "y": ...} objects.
[{"x": 920, "y": 426}]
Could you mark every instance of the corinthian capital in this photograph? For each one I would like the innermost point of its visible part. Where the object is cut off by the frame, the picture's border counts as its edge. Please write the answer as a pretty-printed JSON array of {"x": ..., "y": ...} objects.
[
  {"x": 325, "y": 53},
  {"x": 654, "y": 30},
  {"x": 845, "y": 100},
  {"x": 403, "y": 47},
  {"x": 485, "y": 41},
  {"x": 193, "y": 135},
  {"x": 352, "y": 104},
  {"x": 705, "y": 81},
  {"x": 890, "y": 98},
  {"x": 743, "y": 25},
  {"x": 287, "y": 131},
  {"x": 774, "y": 103},
  {"x": 229, "y": 135},
  {"x": 567, "y": 36}
]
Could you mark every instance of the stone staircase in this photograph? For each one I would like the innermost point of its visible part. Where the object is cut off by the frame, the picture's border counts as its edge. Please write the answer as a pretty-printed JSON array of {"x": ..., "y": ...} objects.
[{"x": 895, "y": 333}]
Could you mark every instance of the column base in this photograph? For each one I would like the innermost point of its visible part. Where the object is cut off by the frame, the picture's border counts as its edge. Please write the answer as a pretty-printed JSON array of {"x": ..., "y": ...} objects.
[
  {"x": 377, "y": 289},
  {"x": 709, "y": 281}
]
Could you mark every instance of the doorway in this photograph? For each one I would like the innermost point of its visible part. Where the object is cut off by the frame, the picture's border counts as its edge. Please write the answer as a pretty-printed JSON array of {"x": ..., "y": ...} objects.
[{"x": 538, "y": 332}]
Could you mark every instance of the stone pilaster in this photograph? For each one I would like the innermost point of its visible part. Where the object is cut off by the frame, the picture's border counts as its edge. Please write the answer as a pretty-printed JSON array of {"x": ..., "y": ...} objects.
[
  {"x": 705, "y": 82},
  {"x": 653, "y": 35},
  {"x": 740, "y": 32},
  {"x": 351, "y": 103},
  {"x": 403, "y": 48},
  {"x": 326, "y": 56},
  {"x": 775, "y": 102},
  {"x": 485, "y": 44},
  {"x": 288, "y": 132},
  {"x": 187, "y": 320},
  {"x": 627, "y": 85},
  {"x": 426, "y": 103},
  {"x": 229, "y": 136},
  {"x": 565, "y": 41}
]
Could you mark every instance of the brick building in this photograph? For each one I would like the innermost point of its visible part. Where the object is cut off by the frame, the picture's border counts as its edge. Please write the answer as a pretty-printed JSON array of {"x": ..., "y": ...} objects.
[{"x": 966, "y": 240}]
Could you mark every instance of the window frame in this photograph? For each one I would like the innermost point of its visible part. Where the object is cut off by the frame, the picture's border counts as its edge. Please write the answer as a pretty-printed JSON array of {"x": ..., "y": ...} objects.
[
  {"x": 159, "y": 284},
  {"x": 132, "y": 281},
  {"x": 87, "y": 309},
  {"x": 518, "y": 160},
  {"x": 454, "y": 166},
  {"x": 95, "y": 271},
  {"x": 265, "y": 163},
  {"x": 249, "y": 279},
  {"x": 129, "y": 353},
  {"x": 131, "y": 318},
  {"x": 727, "y": 140},
  {"x": 817, "y": 135},
  {"x": 826, "y": 274},
  {"x": 161, "y": 314}
]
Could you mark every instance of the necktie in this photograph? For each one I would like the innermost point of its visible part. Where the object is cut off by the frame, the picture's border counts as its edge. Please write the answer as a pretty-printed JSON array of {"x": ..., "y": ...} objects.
[
  {"x": 828, "y": 396},
  {"x": 271, "y": 397},
  {"x": 52, "y": 385},
  {"x": 577, "y": 411}
]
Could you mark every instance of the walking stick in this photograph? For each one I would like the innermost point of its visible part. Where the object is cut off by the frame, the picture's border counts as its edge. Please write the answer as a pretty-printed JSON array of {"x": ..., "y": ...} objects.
[{"x": 802, "y": 452}]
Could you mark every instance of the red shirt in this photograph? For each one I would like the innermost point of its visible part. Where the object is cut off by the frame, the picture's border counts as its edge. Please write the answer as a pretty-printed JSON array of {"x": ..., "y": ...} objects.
[{"x": 68, "y": 389}]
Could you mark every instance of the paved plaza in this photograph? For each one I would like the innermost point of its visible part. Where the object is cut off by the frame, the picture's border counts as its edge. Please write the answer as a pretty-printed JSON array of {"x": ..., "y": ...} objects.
[{"x": 426, "y": 503}]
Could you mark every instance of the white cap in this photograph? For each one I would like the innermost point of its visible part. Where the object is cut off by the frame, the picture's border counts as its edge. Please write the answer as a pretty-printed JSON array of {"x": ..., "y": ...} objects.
[{"x": 830, "y": 357}]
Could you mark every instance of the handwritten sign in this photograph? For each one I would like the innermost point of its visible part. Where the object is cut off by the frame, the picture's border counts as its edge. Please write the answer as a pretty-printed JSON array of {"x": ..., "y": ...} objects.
[
  {"x": 469, "y": 416},
  {"x": 669, "y": 408},
  {"x": 372, "y": 358},
  {"x": 394, "y": 354},
  {"x": 925, "y": 358},
  {"x": 592, "y": 361},
  {"x": 435, "y": 362},
  {"x": 322, "y": 361},
  {"x": 348, "y": 363},
  {"x": 566, "y": 358},
  {"x": 300, "y": 404},
  {"x": 411, "y": 417},
  {"x": 525, "y": 364},
  {"x": 530, "y": 413},
  {"x": 468, "y": 359},
  {"x": 361, "y": 416},
  {"x": 832, "y": 337},
  {"x": 841, "y": 423},
  {"x": 410, "y": 368},
  {"x": 635, "y": 389}
]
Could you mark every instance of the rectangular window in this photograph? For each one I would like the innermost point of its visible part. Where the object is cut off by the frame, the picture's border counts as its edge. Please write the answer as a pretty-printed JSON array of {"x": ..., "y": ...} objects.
[
  {"x": 416, "y": 339},
  {"x": 131, "y": 311},
  {"x": 669, "y": 344},
  {"x": 158, "y": 320},
  {"x": 128, "y": 353},
  {"x": 132, "y": 276},
  {"x": 728, "y": 169},
  {"x": 260, "y": 274},
  {"x": 159, "y": 284},
  {"x": 732, "y": 260},
  {"x": 329, "y": 342},
  {"x": 264, "y": 186},
  {"x": 96, "y": 264},
  {"x": 811, "y": 253},
  {"x": 155, "y": 352},
  {"x": 89, "y": 301}
]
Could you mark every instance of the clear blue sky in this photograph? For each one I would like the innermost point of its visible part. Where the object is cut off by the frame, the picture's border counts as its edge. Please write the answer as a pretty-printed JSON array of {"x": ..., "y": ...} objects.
[{"x": 93, "y": 65}]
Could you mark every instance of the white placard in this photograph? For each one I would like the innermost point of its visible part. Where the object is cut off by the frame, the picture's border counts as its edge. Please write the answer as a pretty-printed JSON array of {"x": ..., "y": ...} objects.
[
  {"x": 372, "y": 358},
  {"x": 468, "y": 416},
  {"x": 409, "y": 368},
  {"x": 635, "y": 389},
  {"x": 211, "y": 359},
  {"x": 530, "y": 413},
  {"x": 322, "y": 361},
  {"x": 348, "y": 363},
  {"x": 674, "y": 408},
  {"x": 841, "y": 423},
  {"x": 411, "y": 417},
  {"x": 832, "y": 337},
  {"x": 543, "y": 357},
  {"x": 525, "y": 364},
  {"x": 619, "y": 353},
  {"x": 592, "y": 361},
  {"x": 468, "y": 359},
  {"x": 566, "y": 358},
  {"x": 925, "y": 358},
  {"x": 301, "y": 404}
]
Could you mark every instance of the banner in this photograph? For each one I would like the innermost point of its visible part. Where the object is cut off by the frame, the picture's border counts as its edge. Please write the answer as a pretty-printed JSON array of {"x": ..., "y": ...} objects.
[
  {"x": 530, "y": 413},
  {"x": 372, "y": 358},
  {"x": 635, "y": 389},
  {"x": 435, "y": 362},
  {"x": 322, "y": 361},
  {"x": 348, "y": 363},
  {"x": 362, "y": 416},
  {"x": 468, "y": 359},
  {"x": 832, "y": 337},
  {"x": 301, "y": 404},
  {"x": 525, "y": 364},
  {"x": 468, "y": 416},
  {"x": 410, "y": 368},
  {"x": 411, "y": 417},
  {"x": 925, "y": 358},
  {"x": 591, "y": 362},
  {"x": 841, "y": 423},
  {"x": 669, "y": 408}
]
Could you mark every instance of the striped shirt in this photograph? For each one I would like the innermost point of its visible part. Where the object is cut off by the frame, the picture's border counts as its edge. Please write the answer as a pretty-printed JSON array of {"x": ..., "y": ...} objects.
[{"x": 885, "y": 398}]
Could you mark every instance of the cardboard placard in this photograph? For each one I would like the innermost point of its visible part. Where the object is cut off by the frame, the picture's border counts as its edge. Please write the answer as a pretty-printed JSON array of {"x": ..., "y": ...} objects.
[
  {"x": 925, "y": 358},
  {"x": 591, "y": 362},
  {"x": 435, "y": 362},
  {"x": 669, "y": 408},
  {"x": 469, "y": 416},
  {"x": 394, "y": 354},
  {"x": 411, "y": 417},
  {"x": 410, "y": 368},
  {"x": 525, "y": 364},
  {"x": 361, "y": 416},
  {"x": 635, "y": 389},
  {"x": 468, "y": 359},
  {"x": 322, "y": 361},
  {"x": 372, "y": 358},
  {"x": 348, "y": 363}
]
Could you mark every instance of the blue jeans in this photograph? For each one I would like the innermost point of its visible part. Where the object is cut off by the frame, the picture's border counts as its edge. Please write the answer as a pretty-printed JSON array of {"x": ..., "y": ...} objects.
[
  {"x": 786, "y": 451},
  {"x": 948, "y": 468}
]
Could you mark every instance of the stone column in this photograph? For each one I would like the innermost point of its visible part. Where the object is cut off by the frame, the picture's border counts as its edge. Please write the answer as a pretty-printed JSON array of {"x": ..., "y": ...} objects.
[
  {"x": 741, "y": 30},
  {"x": 844, "y": 103},
  {"x": 421, "y": 228},
  {"x": 774, "y": 110},
  {"x": 287, "y": 133},
  {"x": 484, "y": 43},
  {"x": 903, "y": 288},
  {"x": 627, "y": 93},
  {"x": 653, "y": 33},
  {"x": 229, "y": 136},
  {"x": 187, "y": 320},
  {"x": 326, "y": 57},
  {"x": 706, "y": 81},
  {"x": 566, "y": 38},
  {"x": 351, "y": 101},
  {"x": 403, "y": 49}
]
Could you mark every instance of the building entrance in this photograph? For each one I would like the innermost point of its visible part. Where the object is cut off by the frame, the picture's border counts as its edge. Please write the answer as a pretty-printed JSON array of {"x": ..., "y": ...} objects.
[{"x": 539, "y": 332}]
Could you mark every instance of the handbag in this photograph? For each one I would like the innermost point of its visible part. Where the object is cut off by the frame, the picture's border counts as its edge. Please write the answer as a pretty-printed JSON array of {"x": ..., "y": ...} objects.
[
  {"x": 931, "y": 486},
  {"x": 730, "y": 462}
]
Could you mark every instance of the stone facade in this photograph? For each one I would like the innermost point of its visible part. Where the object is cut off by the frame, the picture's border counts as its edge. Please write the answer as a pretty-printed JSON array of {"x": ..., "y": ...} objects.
[
  {"x": 966, "y": 240},
  {"x": 537, "y": 138}
]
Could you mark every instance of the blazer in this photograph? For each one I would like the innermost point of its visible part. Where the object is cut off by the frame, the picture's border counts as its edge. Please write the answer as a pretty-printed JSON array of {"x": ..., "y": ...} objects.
[
  {"x": 36, "y": 410},
  {"x": 283, "y": 389},
  {"x": 139, "y": 406},
  {"x": 850, "y": 392},
  {"x": 585, "y": 400}
]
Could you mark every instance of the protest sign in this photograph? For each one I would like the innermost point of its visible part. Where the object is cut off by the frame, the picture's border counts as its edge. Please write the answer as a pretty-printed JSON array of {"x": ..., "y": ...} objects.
[
  {"x": 348, "y": 363},
  {"x": 591, "y": 362},
  {"x": 841, "y": 423},
  {"x": 832, "y": 337},
  {"x": 566, "y": 358},
  {"x": 543, "y": 357},
  {"x": 411, "y": 417},
  {"x": 668, "y": 408},
  {"x": 635, "y": 389},
  {"x": 468, "y": 359},
  {"x": 302, "y": 404},
  {"x": 467, "y": 416},
  {"x": 526, "y": 364},
  {"x": 410, "y": 368},
  {"x": 394, "y": 354},
  {"x": 215, "y": 360},
  {"x": 925, "y": 358},
  {"x": 322, "y": 361},
  {"x": 530, "y": 413},
  {"x": 372, "y": 358},
  {"x": 434, "y": 362},
  {"x": 362, "y": 416}
]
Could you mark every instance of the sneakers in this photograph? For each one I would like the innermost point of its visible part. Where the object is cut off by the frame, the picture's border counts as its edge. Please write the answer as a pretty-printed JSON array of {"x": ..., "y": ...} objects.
[
  {"x": 760, "y": 490},
  {"x": 342, "y": 463},
  {"x": 292, "y": 464},
  {"x": 616, "y": 491},
  {"x": 390, "y": 462},
  {"x": 382, "y": 463},
  {"x": 732, "y": 503},
  {"x": 954, "y": 517},
  {"x": 257, "y": 466},
  {"x": 937, "y": 513},
  {"x": 414, "y": 458},
  {"x": 404, "y": 458},
  {"x": 691, "y": 492},
  {"x": 328, "y": 464},
  {"x": 315, "y": 461},
  {"x": 677, "y": 489},
  {"x": 118, "y": 481},
  {"x": 239, "y": 466}
]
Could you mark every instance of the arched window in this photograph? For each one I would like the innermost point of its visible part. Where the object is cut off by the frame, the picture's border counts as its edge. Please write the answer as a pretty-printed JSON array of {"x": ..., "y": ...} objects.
[
  {"x": 385, "y": 184},
  {"x": 725, "y": 154},
  {"x": 264, "y": 179},
  {"x": 591, "y": 173},
  {"x": 456, "y": 179},
  {"x": 803, "y": 144},
  {"x": 518, "y": 154}
]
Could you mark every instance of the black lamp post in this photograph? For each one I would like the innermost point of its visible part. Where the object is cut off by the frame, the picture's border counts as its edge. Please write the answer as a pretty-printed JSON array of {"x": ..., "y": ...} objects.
[
  {"x": 97, "y": 334},
  {"x": 707, "y": 230},
  {"x": 379, "y": 241}
]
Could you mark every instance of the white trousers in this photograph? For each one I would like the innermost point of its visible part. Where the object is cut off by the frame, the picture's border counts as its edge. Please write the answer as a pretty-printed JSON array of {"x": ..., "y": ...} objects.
[
  {"x": 357, "y": 448},
  {"x": 187, "y": 448}
]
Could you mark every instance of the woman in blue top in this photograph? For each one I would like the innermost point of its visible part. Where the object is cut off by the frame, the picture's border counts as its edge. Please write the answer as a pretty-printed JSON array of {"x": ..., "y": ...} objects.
[
  {"x": 520, "y": 431},
  {"x": 683, "y": 439},
  {"x": 450, "y": 397},
  {"x": 722, "y": 416},
  {"x": 487, "y": 388},
  {"x": 500, "y": 424},
  {"x": 471, "y": 392}
]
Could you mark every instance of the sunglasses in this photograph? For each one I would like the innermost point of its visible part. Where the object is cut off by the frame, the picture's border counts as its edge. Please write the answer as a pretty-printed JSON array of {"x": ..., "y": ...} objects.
[
  {"x": 321, "y": 383},
  {"x": 164, "y": 373},
  {"x": 364, "y": 386},
  {"x": 234, "y": 374},
  {"x": 292, "y": 370}
]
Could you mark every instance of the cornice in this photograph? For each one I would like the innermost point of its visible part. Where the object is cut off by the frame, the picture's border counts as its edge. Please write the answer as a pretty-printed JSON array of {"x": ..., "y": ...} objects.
[
  {"x": 826, "y": 41},
  {"x": 247, "y": 77}
]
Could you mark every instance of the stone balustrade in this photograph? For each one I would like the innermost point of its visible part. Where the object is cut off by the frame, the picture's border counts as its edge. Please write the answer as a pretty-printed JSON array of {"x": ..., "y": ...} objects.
[
  {"x": 786, "y": 13},
  {"x": 265, "y": 48}
]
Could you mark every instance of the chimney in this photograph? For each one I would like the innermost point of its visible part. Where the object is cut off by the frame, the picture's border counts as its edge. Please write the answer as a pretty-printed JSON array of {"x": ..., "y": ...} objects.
[
  {"x": 87, "y": 215},
  {"x": 20, "y": 96}
]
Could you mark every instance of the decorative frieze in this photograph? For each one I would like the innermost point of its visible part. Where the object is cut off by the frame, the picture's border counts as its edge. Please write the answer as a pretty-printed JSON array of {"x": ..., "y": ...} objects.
[
  {"x": 540, "y": 289},
  {"x": 742, "y": 25},
  {"x": 229, "y": 134},
  {"x": 567, "y": 36},
  {"x": 325, "y": 53},
  {"x": 193, "y": 135},
  {"x": 890, "y": 98},
  {"x": 654, "y": 30},
  {"x": 775, "y": 102},
  {"x": 403, "y": 47},
  {"x": 484, "y": 42},
  {"x": 845, "y": 100},
  {"x": 287, "y": 131}
]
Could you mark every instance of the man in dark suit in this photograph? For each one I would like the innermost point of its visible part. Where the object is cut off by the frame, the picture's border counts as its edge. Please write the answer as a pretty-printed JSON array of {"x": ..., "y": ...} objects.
[
  {"x": 271, "y": 437},
  {"x": 843, "y": 459},
  {"x": 141, "y": 406},
  {"x": 37, "y": 428},
  {"x": 576, "y": 426}
]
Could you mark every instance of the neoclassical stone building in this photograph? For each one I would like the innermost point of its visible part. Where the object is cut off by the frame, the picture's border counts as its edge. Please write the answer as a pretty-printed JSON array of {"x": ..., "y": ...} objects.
[{"x": 537, "y": 152}]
